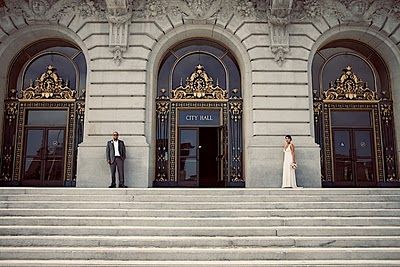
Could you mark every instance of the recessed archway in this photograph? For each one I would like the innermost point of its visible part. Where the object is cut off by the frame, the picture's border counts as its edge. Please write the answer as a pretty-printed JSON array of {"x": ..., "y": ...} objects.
[
  {"x": 385, "y": 51},
  {"x": 176, "y": 36}
]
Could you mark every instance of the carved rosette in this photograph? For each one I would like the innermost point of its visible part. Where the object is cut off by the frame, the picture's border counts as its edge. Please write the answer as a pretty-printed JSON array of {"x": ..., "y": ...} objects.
[
  {"x": 48, "y": 86},
  {"x": 349, "y": 87},
  {"x": 199, "y": 86}
]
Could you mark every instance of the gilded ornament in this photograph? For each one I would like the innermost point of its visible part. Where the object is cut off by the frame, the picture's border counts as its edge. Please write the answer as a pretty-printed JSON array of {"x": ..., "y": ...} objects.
[
  {"x": 199, "y": 86},
  {"x": 349, "y": 87},
  {"x": 48, "y": 86},
  {"x": 11, "y": 111}
]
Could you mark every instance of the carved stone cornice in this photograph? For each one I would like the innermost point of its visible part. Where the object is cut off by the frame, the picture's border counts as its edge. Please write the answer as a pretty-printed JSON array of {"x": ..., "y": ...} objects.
[
  {"x": 48, "y": 86},
  {"x": 201, "y": 10},
  {"x": 51, "y": 10},
  {"x": 349, "y": 87},
  {"x": 346, "y": 11},
  {"x": 199, "y": 86}
]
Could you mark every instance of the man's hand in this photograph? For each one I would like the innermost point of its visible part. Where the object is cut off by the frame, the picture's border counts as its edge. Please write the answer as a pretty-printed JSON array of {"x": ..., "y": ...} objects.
[{"x": 109, "y": 162}]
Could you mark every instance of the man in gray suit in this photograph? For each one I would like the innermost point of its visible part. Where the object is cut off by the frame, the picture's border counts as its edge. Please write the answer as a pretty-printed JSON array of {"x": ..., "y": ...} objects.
[{"x": 116, "y": 154}]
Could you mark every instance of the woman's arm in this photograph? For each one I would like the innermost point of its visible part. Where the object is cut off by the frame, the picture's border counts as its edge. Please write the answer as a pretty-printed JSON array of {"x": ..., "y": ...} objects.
[{"x": 292, "y": 151}]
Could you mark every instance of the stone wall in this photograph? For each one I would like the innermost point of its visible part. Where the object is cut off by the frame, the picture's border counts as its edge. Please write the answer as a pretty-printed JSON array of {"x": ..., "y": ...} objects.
[{"x": 273, "y": 41}]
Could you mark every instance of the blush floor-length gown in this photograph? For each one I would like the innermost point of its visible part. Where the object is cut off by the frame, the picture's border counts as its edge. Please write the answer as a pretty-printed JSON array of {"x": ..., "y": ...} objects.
[{"x": 289, "y": 174}]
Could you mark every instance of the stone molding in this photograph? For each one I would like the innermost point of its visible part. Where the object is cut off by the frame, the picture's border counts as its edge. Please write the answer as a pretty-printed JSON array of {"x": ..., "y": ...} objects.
[
  {"x": 278, "y": 13},
  {"x": 35, "y": 11},
  {"x": 204, "y": 10}
]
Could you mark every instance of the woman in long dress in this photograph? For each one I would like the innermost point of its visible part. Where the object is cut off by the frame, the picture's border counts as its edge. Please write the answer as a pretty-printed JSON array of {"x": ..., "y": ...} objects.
[{"x": 289, "y": 164}]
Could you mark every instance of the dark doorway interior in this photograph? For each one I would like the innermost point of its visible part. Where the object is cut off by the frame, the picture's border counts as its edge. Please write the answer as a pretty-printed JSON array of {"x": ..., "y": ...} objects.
[{"x": 209, "y": 160}]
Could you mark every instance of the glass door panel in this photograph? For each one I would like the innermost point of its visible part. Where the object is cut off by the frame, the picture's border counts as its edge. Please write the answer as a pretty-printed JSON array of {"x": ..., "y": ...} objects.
[
  {"x": 353, "y": 157},
  {"x": 363, "y": 157},
  {"x": 54, "y": 170},
  {"x": 55, "y": 155},
  {"x": 33, "y": 155},
  {"x": 188, "y": 169},
  {"x": 44, "y": 156},
  {"x": 342, "y": 156}
]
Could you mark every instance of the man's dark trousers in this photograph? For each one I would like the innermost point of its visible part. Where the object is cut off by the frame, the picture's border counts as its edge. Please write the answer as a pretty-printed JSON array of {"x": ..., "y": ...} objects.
[{"x": 118, "y": 163}]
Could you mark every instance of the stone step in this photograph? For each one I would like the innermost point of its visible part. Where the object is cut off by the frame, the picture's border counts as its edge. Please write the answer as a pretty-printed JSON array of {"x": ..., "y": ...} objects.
[
  {"x": 202, "y": 213},
  {"x": 201, "y": 198},
  {"x": 185, "y": 263},
  {"x": 196, "y": 205},
  {"x": 199, "y": 222},
  {"x": 200, "y": 191},
  {"x": 199, "y": 227},
  {"x": 199, "y": 241},
  {"x": 201, "y": 231},
  {"x": 122, "y": 253}
]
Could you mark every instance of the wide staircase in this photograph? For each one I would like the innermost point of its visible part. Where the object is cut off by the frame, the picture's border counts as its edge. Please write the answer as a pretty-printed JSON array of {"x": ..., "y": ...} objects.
[{"x": 199, "y": 227}]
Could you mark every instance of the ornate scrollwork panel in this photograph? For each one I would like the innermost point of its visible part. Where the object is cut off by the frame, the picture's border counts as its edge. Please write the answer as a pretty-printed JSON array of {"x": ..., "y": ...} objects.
[
  {"x": 199, "y": 85},
  {"x": 9, "y": 135},
  {"x": 163, "y": 106},
  {"x": 349, "y": 87},
  {"x": 48, "y": 86}
]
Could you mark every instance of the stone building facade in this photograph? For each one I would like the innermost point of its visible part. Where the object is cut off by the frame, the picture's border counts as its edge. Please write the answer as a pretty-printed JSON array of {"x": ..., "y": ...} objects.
[{"x": 75, "y": 71}]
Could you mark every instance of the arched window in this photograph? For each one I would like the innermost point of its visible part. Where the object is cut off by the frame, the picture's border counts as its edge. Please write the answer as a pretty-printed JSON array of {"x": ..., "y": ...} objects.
[
  {"x": 34, "y": 59},
  {"x": 353, "y": 115},
  {"x": 365, "y": 62},
  {"x": 44, "y": 110},
  {"x": 179, "y": 63}
]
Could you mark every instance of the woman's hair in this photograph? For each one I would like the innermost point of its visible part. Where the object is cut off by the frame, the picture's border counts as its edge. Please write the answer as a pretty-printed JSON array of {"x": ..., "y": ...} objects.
[{"x": 288, "y": 136}]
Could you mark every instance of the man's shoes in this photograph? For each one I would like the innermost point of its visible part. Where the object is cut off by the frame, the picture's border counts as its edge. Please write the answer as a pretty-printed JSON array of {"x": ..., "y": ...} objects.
[
  {"x": 112, "y": 186},
  {"x": 122, "y": 186}
]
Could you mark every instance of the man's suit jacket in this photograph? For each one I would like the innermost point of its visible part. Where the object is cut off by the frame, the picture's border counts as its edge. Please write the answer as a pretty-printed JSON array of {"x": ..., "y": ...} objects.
[{"x": 110, "y": 153}]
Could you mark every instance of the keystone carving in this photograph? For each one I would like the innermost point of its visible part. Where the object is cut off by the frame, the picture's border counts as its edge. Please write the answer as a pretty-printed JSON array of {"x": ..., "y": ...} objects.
[{"x": 119, "y": 20}]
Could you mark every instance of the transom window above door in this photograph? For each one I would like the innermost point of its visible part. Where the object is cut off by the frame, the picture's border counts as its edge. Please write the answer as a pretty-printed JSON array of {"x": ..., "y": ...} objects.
[{"x": 180, "y": 60}]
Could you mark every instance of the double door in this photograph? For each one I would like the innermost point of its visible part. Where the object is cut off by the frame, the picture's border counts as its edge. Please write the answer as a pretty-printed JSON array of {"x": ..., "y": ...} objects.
[
  {"x": 354, "y": 157},
  {"x": 200, "y": 157},
  {"x": 44, "y": 148}
]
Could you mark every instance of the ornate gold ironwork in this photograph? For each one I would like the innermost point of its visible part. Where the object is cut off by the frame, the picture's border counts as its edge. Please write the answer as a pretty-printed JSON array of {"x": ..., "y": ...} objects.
[
  {"x": 173, "y": 132},
  {"x": 29, "y": 105},
  {"x": 48, "y": 86},
  {"x": 328, "y": 137},
  {"x": 11, "y": 111},
  {"x": 235, "y": 108},
  {"x": 162, "y": 110},
  {"x": 199, "y": 86},
  {"x": 349, "y": 87},
  {"x": 387, "y": 113},
  {"x": 80, "y": 111}
]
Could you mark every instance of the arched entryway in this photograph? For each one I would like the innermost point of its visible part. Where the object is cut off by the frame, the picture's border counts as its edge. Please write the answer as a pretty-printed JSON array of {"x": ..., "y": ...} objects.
[
  {"x": 353, "y": 112},
  {"x": 199, "y": 139},
  {"x": 44, "y": 109}
]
